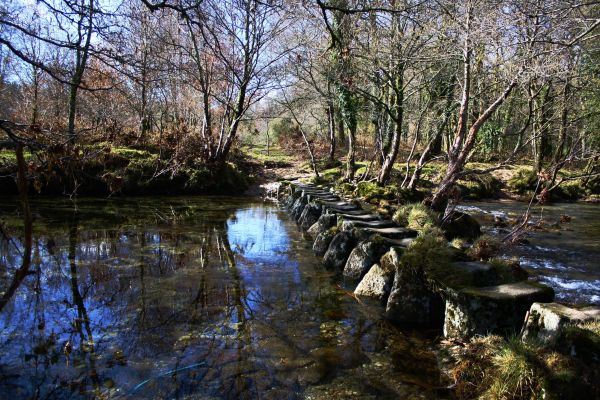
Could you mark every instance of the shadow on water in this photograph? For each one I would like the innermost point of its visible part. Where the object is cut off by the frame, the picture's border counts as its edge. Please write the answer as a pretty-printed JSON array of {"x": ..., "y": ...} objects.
[{"x": 186, "y": 298}]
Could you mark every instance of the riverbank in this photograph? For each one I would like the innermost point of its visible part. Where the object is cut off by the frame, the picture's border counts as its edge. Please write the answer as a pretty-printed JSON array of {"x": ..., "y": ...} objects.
[{"x": 102, "y": 169}]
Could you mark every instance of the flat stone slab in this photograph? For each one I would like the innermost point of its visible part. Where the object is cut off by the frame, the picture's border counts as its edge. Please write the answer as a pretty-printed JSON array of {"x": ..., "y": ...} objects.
[
  {"x": 497, "y": 309},
  {"x": 379, "y": 224},
  {"x": 360, "y": 217},
  {"x": 547, "y": 321},
  {"x": 512, "y": 291},
  {"x": 341, "y": 209},
  {"x": 356, "y": 212},
  {"x": 399, "y": 242},
  {"x": 393, "y": 233},
  {"x": 473, "y": 273},
  {"x": 324, "y": 197}
]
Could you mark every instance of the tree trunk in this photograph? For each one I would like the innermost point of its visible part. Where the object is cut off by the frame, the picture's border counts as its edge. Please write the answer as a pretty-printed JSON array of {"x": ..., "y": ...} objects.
[
  {"x": 390, "y": 158},
  {"x": 331, "y": 127}
]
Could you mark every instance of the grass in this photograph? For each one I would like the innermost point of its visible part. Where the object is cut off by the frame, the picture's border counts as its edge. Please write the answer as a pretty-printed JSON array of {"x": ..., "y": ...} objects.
[
  {"x": 415, "y": 216},
  {"x": 275, "y": 155},
  {"x": 484, "y": 248},
  {"x": 492, "y": 367}
]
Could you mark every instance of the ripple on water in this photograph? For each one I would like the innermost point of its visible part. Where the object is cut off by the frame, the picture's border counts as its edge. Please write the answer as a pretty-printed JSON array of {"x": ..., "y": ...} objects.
[{"x": 574, "y": 290}]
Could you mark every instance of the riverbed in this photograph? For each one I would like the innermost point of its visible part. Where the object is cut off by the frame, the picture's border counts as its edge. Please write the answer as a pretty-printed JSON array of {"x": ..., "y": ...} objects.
[{"x": 198, "y": 297}]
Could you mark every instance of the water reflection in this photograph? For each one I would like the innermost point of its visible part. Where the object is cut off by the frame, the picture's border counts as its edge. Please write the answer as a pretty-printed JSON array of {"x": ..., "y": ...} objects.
[{"x": 204, "y": 297}]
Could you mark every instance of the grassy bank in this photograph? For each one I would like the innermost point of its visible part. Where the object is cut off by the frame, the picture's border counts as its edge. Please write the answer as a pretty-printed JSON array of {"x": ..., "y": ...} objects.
[
  {"x": 102, "y": 169},
  {"x": 516, "y": 182}
]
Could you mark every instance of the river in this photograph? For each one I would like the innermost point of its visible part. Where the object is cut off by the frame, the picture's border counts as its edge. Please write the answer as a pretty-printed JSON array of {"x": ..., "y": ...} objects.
[
  {"x": 203, "y": 297},
  {"x": 565, "y": 254}
]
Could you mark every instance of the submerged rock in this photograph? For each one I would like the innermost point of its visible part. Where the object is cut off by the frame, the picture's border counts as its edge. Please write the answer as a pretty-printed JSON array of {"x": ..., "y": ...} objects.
[
  {"x": 494, "y": 309},
  {"x": 309, "y": 216},
  {"x": 364, "y": 256},
  {"x": 376, "y": 283},
  {"x": 461, "y": 225},
  {"x": 547, "y": 321}
]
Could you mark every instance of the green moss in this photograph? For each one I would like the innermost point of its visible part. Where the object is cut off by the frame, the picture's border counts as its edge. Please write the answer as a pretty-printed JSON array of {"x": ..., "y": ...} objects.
[
  {"x": 275, "y": 157},
  {"x": 570, "y": 190},
  {"x": 480, "y": 186},
  {"x": 368, "y": 190},
  {"x": 428, "y": 252},
  {"x": 133, "y": 154},
  {"x": 523, "y": 181}
]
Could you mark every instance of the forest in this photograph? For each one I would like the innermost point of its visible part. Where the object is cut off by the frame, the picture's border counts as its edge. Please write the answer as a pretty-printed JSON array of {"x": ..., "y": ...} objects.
[{"x": 175, "y": 96}]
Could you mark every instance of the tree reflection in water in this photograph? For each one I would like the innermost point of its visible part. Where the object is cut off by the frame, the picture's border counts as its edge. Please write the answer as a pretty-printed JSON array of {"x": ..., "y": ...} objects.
[{"x": 205, "y": 297}]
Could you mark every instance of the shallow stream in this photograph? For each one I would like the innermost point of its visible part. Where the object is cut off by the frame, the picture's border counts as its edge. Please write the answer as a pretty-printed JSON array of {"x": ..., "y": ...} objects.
[
  {"x": 565, "y": 254},
  {"x": 179, "y": 298}
]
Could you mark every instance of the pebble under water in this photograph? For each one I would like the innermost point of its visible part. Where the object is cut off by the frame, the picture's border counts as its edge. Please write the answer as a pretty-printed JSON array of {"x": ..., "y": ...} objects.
[{"x": 198, "y": 297}]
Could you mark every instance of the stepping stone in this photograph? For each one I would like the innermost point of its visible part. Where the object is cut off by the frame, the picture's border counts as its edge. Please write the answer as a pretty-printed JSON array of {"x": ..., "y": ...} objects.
[
  {"x": 364, "y": 255},
  {"x": 497, "y": 309},
  {"x": 393, "y": 233},
  {"x": 463, "y": 274},
  {"x": 546, "y": 322},
  {"x": 360, "y": 217},
  {"x": 325, "y": 197},
  {"x": 380, "y": 224},
  {"x": 358, "y": 212},
  {"x": 399, "y": 242}
]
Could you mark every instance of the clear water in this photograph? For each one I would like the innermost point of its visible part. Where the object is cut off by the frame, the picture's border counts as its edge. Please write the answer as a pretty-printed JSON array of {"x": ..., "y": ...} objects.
[
  {"x": 564, "y": 255},
  {"x": 189, "y": 298}
]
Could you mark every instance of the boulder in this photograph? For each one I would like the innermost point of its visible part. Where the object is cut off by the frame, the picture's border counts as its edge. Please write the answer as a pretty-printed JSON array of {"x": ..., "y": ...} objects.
[
  {"x": 461, "y": 225},
  {"x": 310, "y": 215},
  {"x": 339, "y": 249},
  {"x": 363, "y": 256},
  {"x": 291, "y": 198},
  {"x": 412, "y": 301},
  {"x": 376, "y": 283},
  {"x": 546, "y": 322},
  {"x": 324, "y": 222},
  {"x": 298, "y": 207},
  {"x": 497, "y": 309},
  {"x": 323, "y": 240}
]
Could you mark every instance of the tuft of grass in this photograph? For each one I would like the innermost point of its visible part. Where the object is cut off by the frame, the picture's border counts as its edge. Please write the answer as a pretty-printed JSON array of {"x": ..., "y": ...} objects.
[
  {"x": 429, "y": 251},
  {"x": 485, "y": 247},
  {"x": 458, "y": 243},
  {"x": 415, "y": 216},
  {"x": 492, "y": 367}
]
